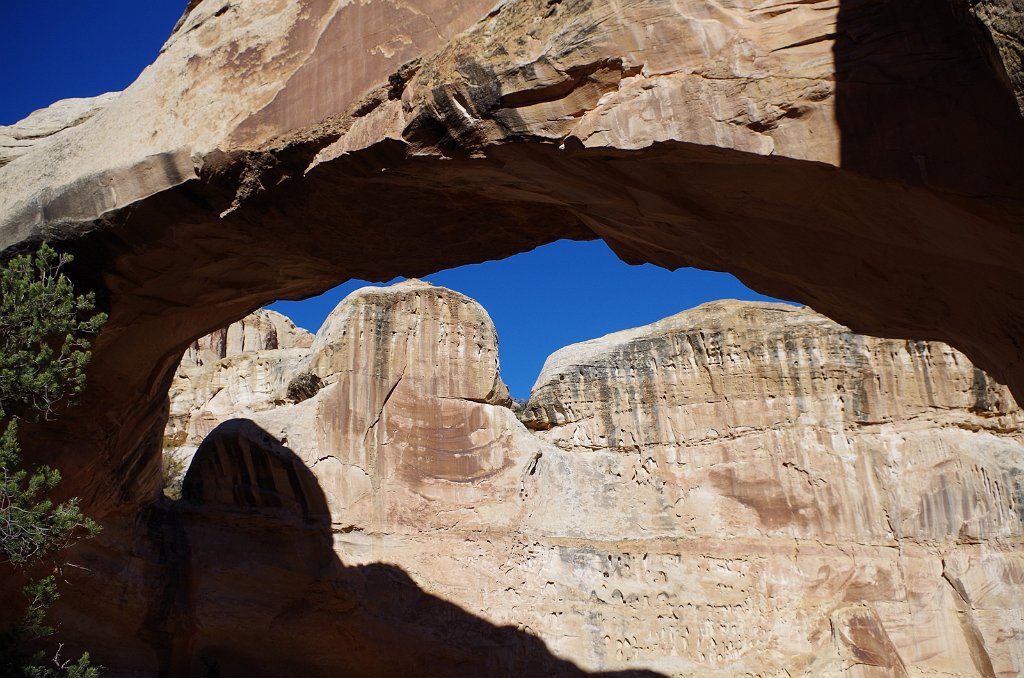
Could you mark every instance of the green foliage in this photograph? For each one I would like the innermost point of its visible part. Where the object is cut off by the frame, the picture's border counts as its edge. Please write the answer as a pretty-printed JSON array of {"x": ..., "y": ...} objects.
[
  {"x": 44, "y": 348},
  {"x": 16, "y": 661},
  {"x": 41, "y": 595},
  {"x": 44, "y": 345},
  {"x": 30, "y": 525}
]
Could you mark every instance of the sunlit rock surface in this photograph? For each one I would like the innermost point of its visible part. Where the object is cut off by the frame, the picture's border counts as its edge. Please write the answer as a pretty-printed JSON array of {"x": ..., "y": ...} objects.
[
  {"x": 740, "y": 489},
  {"x": 48, "y": 124},
  {"x": 243, "y": 367},
  {"x": 865, "y": 157},
  {"x": 410, "y": 390},
  {"x": 819, "y": 487},
  {"x": 259, "y": 331}
]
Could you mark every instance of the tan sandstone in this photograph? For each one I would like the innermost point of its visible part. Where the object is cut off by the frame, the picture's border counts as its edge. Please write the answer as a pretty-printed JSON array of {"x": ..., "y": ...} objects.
[
  {"x": 44, "y": 125},
  {"x": 865, "y": 158},
  {"x": 741, "y": 489},
  {"x": 244, "y": 367}
]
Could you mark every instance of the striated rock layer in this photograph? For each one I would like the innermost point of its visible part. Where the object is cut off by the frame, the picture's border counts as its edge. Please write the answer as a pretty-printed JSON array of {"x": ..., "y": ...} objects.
[
  {"x": 741, "y": 489},
  {"x": 44, "y": 125},
  {"x": 862, "y": 156},
  {"x": 244, "y": 366},
  {"x": 827, "y": 494}
]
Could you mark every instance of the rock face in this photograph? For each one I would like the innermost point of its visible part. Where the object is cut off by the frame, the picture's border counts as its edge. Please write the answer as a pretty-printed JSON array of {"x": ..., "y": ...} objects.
[
  {"x": 841, "y": 480},
  {"x": 309, "y": 498},
  {"x": 259, "y": 331},
  {"x": 44, "y": 125},
  {"x": 740, "y": 489},
  {"x": 864, "y": 157},
  {"x": 410, "y": 386},
  {"x": 243, "y": 367}
]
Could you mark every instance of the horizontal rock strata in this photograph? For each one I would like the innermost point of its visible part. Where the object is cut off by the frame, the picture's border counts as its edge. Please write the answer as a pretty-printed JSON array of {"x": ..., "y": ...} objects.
[
  {"x": 861, "y": 157},
  {"x": 741, "y": 489},
  {"x": 842, "y": 480}
]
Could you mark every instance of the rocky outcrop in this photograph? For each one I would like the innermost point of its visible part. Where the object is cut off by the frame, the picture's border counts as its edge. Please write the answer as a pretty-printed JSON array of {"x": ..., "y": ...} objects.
[
  {"x": 428, "y": 354},
  {"x": 729, "y": 369},
  {"x": 862, "y": 157},
  {"x": 881, "y": 465},
  {"x": 261, "y": 330},
  {"x": 310, "y": 497},
  {"x": 245, "y": 367},
  {"x": 743, "y": 488},
  {"x": 47, "y": 123}
]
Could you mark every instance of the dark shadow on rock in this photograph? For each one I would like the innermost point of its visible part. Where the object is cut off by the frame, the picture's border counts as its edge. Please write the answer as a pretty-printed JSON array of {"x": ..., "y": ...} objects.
[
  {"x": 919, "y": 101},
  {"x": 249, "y": 585}
]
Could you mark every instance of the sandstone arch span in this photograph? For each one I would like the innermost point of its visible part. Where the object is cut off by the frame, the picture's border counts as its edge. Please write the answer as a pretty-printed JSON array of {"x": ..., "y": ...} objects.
[{"x": 834, "y": 153}]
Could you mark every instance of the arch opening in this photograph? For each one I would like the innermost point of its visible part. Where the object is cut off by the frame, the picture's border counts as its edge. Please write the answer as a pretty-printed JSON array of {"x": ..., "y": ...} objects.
[{"x": 659, "y": 475}]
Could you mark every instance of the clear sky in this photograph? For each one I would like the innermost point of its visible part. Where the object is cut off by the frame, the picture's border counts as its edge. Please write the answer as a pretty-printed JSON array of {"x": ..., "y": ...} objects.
[
  {"x": 58, "y": 49},
  {"x": 540, "y": 301},
  {"x": 556, "y": 295}
]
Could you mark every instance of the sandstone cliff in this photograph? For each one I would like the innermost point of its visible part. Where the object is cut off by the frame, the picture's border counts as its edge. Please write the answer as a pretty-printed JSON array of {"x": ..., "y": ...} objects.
[
  {"x": 863, "y": 156},
  {"x": 740, "y": 489},
  {"x": 847, "y": 483},
  {"x": 243, "y": 367}
]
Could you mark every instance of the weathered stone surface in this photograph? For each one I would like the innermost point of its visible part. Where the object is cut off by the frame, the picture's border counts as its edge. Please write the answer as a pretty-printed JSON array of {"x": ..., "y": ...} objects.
[
  {"x": 259, "y": 331},
  {"x": 244, "y": 367},
  {"x": 413, "y": 418},
  {"x": 860, "y": 157},
  {"x": 250, "y": 365},
  {"x": 204, "y": 396},
  {"x": 739, "y": 489},
  {"x": 712, "y": 367},
  {"x": 806, "y": 467},
  {"x": 45, "y": 124}
]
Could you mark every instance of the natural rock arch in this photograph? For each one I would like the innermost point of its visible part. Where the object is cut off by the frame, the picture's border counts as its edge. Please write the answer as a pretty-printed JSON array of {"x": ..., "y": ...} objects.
[{"x": 847, "y": 157}]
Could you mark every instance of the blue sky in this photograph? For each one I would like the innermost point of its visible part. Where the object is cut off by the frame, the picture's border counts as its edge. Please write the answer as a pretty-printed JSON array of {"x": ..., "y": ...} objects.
[
  {"x": 539, "y": 301},
  {"x": 72, "y": 48},
  {"x": 554, "y": 296}
]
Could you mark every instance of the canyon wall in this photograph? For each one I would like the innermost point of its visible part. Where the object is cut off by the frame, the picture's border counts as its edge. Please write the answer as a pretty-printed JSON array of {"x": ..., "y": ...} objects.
[
  {"x": 861, "y": 156},
  {"x": 247, "y": 364},
  {"x": 740, "y": 489},
  {"x": 262, "y": 330}
]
